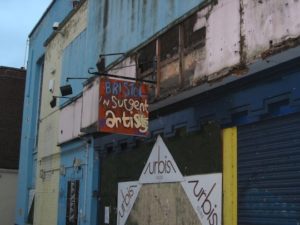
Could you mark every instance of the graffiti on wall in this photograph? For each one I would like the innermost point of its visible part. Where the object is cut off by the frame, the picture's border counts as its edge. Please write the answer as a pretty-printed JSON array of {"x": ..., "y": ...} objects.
[
  {"x": 123, "y": 107},
  {"x": 204, "y": 192}
]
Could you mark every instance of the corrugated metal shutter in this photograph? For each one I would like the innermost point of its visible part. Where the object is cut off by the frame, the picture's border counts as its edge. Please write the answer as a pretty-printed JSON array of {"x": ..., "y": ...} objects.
[{"x": 269, "y": 172}]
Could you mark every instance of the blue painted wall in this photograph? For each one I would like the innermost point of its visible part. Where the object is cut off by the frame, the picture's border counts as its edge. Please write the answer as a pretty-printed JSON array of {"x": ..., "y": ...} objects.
[
  {"x": 88, "y": 176},
  {"x": 56, "y": 12},
  {"x": 119, "y": 26},
  {"x": 74, "y": 63}
]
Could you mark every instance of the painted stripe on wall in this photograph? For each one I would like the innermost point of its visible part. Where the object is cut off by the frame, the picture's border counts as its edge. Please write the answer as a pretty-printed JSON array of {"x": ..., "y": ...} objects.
[{"x": 230, "y": 176}]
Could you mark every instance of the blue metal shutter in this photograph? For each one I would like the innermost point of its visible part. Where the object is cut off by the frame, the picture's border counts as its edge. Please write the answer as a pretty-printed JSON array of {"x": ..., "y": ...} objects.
[{"x": 269, "y": 172}]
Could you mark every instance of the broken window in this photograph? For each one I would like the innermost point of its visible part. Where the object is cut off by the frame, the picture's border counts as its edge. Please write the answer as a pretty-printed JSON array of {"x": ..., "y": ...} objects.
[
  {"x": 194, "y": 37},
  {"x": 169, "y": 43},
  {"x": 146, "y": 58},
  {"x": 162, "y": 59}
]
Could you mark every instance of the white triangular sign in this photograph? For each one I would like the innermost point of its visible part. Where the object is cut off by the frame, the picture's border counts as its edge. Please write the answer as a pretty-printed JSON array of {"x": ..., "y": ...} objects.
[
  {"x": 127, "y": 193},
  {"x": 205, "y": 194},
  {"x": 160, "y": 167}
]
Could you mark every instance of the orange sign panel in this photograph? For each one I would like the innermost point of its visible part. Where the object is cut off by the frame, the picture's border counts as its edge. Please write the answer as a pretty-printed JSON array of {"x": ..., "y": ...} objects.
[{"x": 123, "y": 107}]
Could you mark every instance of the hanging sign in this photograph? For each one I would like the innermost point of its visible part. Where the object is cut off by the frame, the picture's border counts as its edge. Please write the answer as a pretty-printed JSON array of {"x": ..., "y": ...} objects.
[{"x": 123, "y": 107}]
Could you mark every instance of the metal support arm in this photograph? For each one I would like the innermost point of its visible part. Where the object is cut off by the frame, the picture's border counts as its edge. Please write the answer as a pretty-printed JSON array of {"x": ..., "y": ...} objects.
[{"x": 121, "y": 77}]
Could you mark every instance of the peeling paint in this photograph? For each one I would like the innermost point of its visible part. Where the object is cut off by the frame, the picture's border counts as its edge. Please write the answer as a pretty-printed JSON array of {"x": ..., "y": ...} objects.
[
  {"x": 221, "y": 44},
  {"x": 236, "y": 33},
  {"x": 269, "y": 23},
  {"x": 279, "y": 47}
]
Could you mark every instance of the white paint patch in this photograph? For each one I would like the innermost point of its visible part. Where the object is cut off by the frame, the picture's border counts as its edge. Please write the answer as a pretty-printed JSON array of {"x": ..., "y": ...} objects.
[
  {"x": 222, "y": 48},
  {"x": 205, "y": 195},
  {"x": 269, "y": 23},
  {"x": 127, "y": 193},
  {"x": 106, "y": 215},
  {"x": 90, "y": 104},
  {"x": 160, "y": 167},
  {"x": 69, "y": 121}
]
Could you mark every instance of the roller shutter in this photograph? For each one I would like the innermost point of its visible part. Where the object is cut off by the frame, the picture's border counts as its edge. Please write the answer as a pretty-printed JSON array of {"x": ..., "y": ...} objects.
[{"x": 269, "y": 172}]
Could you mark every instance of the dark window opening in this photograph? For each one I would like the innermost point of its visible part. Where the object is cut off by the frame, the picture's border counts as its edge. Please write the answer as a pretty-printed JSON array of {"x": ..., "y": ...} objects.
[
  {"x": 72, "y": 202},
  {"x": 146, "y": 58},
  {"x": 109, "y": 149},
  {"x": 193, "y": 38},
  {"x": 123, "y": 146},
  {"x": 169, "y": 43}
]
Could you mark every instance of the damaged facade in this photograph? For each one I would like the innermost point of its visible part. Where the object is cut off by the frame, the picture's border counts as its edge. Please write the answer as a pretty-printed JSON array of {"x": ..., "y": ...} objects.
[{"x": 225, "y": 100}]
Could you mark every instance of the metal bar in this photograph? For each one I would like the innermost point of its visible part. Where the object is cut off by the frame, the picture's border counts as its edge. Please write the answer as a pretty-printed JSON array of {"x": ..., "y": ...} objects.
[
  {"x": 121, "y": 67},
  {"x": 109, "y": 54},
  {"x": 121, "y": 77},
  {"x": 76, "y": 78},
  {"x": 140, "y": 63},
  {"x": 61, "y": 97},
  {"x": 127, "y": 78}
]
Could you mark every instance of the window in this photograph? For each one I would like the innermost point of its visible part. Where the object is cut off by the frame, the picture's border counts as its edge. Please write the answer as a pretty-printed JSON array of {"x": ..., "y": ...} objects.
[
  {"x": 72, "y": 202},
  {"x": 169, "y": 43},
  {"x": 193, "y": 38},
  {"x": 163, "y": 59},
  {"x": 146, "y": 58}
]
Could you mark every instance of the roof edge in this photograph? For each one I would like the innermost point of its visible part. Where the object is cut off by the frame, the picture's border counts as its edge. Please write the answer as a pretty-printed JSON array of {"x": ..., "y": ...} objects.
[{"x": 40, "y": 20}]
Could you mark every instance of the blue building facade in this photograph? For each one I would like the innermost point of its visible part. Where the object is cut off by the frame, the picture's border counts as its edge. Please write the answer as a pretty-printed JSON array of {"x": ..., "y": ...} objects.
[
  {"x": 56, "y": 11},
  {"x": 115, "y": 26},
  {"x": 266, "y": 91}
]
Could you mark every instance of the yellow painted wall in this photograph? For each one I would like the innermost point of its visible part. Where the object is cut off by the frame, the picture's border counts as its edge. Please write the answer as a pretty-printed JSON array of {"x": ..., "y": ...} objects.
[
  {"x": 47, "y": 186},
  {"x": 230, "y": 176}
]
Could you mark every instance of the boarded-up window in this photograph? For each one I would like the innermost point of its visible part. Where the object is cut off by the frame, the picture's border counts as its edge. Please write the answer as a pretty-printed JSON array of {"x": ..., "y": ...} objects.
[
  {"x": 72, "y": 202},
  {"x": 169, "y": 43}
]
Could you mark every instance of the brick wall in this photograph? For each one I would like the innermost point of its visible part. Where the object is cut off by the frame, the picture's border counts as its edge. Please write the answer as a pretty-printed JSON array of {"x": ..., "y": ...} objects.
[{"x": 12, "y": 85}]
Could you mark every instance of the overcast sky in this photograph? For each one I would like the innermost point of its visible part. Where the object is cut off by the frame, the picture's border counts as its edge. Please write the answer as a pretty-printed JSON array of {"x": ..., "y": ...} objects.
[{"x": 17, "y": 19}]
